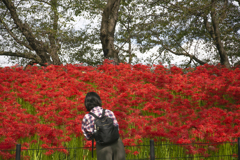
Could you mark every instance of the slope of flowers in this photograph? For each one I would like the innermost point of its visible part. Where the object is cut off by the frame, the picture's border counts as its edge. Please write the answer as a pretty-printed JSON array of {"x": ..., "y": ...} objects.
[{"x": 46, "y": 105}]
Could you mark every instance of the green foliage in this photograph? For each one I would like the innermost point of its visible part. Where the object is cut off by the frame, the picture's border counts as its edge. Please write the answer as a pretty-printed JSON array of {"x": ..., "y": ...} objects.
[
  {"x": 49, "y": 18},
  {"x": 156, "y": 28},
  {"x": 177, "y": 26}
]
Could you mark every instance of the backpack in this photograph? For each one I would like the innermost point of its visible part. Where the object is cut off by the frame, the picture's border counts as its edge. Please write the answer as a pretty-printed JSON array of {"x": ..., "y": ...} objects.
[{"x": 104, "y": 130}]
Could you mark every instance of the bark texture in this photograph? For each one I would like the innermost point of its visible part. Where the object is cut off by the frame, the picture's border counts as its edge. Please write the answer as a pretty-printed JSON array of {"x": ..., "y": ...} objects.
[{"x": 108, "y": 25}]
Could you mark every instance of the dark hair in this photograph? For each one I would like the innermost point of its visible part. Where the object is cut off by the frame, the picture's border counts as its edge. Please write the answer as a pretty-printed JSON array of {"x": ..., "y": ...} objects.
[{"x": 92, "y": 100}]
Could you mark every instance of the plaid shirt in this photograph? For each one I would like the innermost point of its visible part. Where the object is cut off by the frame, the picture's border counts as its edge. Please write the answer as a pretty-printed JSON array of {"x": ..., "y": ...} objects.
[{"x": 88, "y": 121}]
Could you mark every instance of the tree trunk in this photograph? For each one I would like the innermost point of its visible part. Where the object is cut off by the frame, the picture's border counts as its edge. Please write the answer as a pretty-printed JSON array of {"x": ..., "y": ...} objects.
[
  {"x": 130, "y": 51},
  {"x": 217, "y": 39},
  {"x": 55, "y": 46},
  {"x": 109, "y": 20}
]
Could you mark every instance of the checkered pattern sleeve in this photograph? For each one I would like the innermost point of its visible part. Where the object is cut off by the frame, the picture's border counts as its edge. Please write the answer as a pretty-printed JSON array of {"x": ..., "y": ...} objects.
[
  {"x": 111, "y": 115},
  {"x": 88, "y": 121},
  {"x": 88, "y": 126}
]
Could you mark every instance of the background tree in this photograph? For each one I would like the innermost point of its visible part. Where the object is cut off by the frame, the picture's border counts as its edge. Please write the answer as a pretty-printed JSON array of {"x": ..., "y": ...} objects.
[
  {"x": 32, "y": 39},
  {"x": 175, "y": 25},
  {"x": 41, "y": 31},
  {"x": 124, "y": 47}
]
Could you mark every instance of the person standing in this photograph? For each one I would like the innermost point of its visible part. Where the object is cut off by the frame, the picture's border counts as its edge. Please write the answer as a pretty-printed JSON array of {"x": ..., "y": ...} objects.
[{"x": 110, "y": 151}]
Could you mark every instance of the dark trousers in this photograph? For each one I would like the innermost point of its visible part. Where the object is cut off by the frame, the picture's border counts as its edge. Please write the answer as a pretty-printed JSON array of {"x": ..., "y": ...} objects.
[{"x": 113, "y": 151}]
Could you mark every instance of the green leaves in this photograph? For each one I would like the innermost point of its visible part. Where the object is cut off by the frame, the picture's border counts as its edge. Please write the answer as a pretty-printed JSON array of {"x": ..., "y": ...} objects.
[
  {"x": 143, "y": 25},
  {"x": 174, "y": 23}
]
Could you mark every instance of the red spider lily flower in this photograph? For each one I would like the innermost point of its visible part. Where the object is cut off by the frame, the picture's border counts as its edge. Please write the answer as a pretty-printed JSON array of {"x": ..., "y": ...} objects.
[
  {"x": 49, "y": 152},
  {"x": 34, "y": 141},
  {"x": 135, "y": 153},
  {"x": 127, "y": 151}
]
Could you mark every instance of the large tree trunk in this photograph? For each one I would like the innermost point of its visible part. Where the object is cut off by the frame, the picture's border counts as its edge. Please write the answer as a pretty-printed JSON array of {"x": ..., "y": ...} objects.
[
  {"x": 55, "y": 46},
  {"x": 109, "y": 20},
  {"x": 45, "y": 53},
  {"x": 222, "y": 52},
  {"x": 216, "y": 35}
]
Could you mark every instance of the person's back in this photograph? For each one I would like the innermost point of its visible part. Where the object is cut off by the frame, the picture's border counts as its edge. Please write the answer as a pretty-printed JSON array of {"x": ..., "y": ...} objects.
[
  {"x": 105, "y": 132},
  {"x": 110, "y": 151}
]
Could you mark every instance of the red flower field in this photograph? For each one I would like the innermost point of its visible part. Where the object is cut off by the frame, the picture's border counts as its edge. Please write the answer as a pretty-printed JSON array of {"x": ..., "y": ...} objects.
[{"x": 45, "y": 106}]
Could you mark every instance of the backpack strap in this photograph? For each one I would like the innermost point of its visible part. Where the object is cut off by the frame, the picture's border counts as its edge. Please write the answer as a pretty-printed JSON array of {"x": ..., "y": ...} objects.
[
  {"x": 103, "y": 113},
  {"x": 93, "y": 115}
]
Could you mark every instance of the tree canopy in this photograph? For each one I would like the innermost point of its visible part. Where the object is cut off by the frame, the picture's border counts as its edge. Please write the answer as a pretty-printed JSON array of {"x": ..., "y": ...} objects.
[
  {"x": 176, "y": 25},
  {"x": 42, "y": 31}
]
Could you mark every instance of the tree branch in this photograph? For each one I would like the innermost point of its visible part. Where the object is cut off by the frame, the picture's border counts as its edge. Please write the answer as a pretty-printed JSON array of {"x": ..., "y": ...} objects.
[
  {"x": 14, "y": 37},
  {"x": 44, "y": 2},
  {"x": 121, "y": 48},
  {"x": 215, "y": 22},
  {"x": 207, "y": 26},
  {"x": 184, "y": 54},
  {"x": 181, "y": 9},
  {"x": 37, "y": 45},
  {"x": 223, "y": 12},
  {"x": 34, "y": 58},
  {"x": 23, "y": 55}
]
